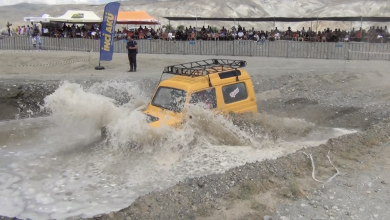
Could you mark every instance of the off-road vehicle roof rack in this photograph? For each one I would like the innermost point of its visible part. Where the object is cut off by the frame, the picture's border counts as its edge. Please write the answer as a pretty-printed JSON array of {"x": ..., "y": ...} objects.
[{"x": 203, "y": 67}]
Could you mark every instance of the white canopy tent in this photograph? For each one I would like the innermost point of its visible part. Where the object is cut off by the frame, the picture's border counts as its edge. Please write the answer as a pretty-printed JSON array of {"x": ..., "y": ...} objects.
[
  {"x": 80, "y": 17},
  {"x": 44, "y": 19}
]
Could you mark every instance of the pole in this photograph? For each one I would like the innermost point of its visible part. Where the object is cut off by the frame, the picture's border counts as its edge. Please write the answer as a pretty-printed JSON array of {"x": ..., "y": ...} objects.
[
  {"x": 274, "y": 23},
  {"x": 317, "y": 25},
  {"x": 361, "y": 28},
  {"x": 196, "y": 23},
  {"x": 311, "y": 24},
  {"x": 196, "y": 27},
  {"x": 351, "y": 27}
]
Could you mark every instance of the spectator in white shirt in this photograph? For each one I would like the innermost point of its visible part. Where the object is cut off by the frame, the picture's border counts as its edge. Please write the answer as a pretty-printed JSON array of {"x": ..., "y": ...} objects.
[
  {"x": 240, "y": 35},
  {"x": 277, "y": 36},
  {"x": 256, "y": 36}
]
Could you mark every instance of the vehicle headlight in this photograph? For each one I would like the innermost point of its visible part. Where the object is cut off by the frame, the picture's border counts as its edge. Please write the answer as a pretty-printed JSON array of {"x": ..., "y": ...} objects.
[{"x": 151, "y": 118}]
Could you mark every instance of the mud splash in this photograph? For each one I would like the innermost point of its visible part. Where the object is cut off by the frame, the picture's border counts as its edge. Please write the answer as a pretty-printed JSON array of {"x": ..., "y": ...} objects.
[{"x": 57, "y": 167}]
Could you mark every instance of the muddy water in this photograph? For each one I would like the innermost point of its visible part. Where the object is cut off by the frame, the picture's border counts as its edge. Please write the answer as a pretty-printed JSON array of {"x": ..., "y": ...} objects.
[{"x": 57, "y": 166}]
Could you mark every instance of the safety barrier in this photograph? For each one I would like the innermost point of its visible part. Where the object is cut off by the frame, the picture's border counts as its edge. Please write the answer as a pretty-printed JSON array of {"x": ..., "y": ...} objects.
[
  {"x": 286, "y": 49},
  {"x": 58, "y": 44}
]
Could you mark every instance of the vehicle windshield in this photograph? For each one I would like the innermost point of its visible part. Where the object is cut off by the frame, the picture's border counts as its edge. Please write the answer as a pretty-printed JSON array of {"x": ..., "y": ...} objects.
[{"x": 170, "y": 98}]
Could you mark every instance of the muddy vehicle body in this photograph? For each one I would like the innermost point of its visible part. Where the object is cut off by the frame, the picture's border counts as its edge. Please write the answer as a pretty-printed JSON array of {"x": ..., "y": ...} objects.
[{"x": 221, "y": 85}]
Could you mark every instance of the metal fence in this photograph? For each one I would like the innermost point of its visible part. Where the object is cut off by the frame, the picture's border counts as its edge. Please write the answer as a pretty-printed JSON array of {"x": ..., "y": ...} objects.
[{"x": 287, "y": 49}]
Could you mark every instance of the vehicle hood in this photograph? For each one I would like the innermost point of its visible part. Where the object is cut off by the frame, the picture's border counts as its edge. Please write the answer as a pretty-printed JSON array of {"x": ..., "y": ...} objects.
[{"x": 157, "y": 117}]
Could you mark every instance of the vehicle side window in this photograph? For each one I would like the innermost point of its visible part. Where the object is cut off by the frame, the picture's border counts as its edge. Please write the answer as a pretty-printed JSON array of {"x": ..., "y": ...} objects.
[
  {"x": 207, "y": 96},
  {"x": 234, "y": 93}
]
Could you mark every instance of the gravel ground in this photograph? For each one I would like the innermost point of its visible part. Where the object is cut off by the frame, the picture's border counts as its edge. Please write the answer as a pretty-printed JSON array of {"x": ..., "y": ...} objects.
[
  {"x": 336, "y": 100},
  {"x": 23, "y": 100},
  {"x": 283, "y": 187},
  {"x": 279, "y": 189}
]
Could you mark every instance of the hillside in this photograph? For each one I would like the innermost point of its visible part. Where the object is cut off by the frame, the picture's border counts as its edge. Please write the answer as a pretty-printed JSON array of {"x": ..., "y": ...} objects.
[
  {"x": 49, "y": 2},
  {"x": 220, "y": 8}
]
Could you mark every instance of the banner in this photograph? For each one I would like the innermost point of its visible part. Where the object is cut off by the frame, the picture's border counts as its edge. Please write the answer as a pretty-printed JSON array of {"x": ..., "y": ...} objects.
[{"x": 108, "y": 31}]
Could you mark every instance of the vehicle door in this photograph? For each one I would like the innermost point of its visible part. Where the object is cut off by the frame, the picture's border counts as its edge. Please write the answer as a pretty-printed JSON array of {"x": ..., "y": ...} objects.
[
  {"x": 235, "y": 97},
  {"x": 206, "y": 97}
]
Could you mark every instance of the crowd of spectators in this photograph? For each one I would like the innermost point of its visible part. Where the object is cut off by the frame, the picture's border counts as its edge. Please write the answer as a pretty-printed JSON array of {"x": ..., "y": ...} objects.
[
  {"x": 378, "y": 34},
  {"x": 181, "y": 33},
  {"x": 26, "y": 30},
  {"x": 56, "y": 31}
]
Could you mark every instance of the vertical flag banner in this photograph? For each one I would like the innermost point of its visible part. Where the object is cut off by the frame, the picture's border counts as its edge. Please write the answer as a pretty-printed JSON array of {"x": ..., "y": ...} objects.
[{"x": 108, "y": 31}]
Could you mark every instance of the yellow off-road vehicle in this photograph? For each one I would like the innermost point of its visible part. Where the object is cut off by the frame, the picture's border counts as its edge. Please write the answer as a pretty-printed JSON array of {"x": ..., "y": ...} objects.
[{"x": 222, "y": 85}]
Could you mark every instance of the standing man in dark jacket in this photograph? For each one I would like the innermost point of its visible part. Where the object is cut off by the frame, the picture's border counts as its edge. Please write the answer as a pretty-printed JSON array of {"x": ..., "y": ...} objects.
[
  {"x": 9, "y": 28},
  {"x": 132, "y": 53}
]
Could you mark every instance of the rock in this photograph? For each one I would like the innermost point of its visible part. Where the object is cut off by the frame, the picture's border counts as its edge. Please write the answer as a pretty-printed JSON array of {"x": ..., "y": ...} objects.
[
  {"x": 267, "y": 217},
  {"x": 284, "y": 218},
  {"x": 200, "y": 183},
  {"x": 111, "y": 215},
  {"x": 97, "y": 216}
]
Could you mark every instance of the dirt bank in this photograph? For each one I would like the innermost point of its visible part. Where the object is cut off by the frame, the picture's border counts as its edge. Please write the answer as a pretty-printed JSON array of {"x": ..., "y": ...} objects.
[
  {"x": 26, "y": 99},
  {"x": 21, "y": 100}
]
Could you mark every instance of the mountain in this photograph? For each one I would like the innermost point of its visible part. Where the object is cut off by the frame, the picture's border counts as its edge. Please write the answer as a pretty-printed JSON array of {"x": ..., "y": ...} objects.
[
  {"x": 49, "y": 2},
  {"x": 223, "y": 8}
]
